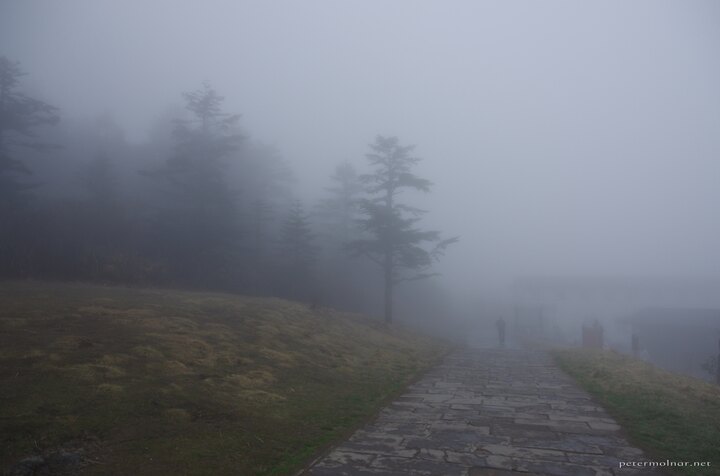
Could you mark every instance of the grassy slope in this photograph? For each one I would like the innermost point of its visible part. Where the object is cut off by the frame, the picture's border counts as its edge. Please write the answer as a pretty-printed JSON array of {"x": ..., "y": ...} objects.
[
  {"x": 670, "y": 416},
  {"x": 169, "y": 382}
]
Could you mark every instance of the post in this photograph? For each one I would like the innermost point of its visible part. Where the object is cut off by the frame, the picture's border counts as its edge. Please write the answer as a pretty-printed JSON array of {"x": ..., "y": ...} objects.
[{"x": 388, "y": 288}]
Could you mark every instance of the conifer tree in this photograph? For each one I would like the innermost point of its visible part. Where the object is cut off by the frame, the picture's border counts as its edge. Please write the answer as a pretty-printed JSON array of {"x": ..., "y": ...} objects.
[
  {"x": 20, "y": 116},
  {"x": 394, "y": 242},
  {"x": 298, "y": 253}
]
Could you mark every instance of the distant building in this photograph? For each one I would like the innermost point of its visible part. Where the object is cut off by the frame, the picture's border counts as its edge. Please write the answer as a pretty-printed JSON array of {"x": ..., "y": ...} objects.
[
  {"x": 677, "y": 339},
  {"x": 557, "y": 308}
]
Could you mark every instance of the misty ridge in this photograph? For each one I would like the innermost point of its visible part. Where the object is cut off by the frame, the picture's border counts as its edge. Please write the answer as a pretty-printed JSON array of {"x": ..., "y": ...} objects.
[{"x": 239, "y": 158}]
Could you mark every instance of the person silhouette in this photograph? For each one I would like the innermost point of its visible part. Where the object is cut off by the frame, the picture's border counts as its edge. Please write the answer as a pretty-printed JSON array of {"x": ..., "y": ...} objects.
[{"x": 500, "y": 324}]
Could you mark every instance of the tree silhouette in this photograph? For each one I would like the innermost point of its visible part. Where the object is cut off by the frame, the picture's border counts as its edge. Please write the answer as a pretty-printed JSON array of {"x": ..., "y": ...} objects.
[
  {"x": 20, "y": 116},
  {"x": 340, "y": 209},
  {"x": 298, "y": 252},
  {"x": 394, "y": 242},
  {"x": 199, "y": 225},
  {"x": 21, "y": 233}
]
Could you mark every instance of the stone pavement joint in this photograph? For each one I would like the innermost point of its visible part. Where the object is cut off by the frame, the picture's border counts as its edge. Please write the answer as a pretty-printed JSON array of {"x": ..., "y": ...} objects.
[{"x": 487, "y": 412}]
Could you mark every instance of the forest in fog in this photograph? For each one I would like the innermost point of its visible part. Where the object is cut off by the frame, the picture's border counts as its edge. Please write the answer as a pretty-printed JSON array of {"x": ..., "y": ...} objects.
[
  {"x": 290, "y": 150},
  {"x": 200, "y": 205}
]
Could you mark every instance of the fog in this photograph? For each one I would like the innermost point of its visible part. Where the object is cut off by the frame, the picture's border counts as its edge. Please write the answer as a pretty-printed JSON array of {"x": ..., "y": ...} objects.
[{"x": 564, "y": 139}]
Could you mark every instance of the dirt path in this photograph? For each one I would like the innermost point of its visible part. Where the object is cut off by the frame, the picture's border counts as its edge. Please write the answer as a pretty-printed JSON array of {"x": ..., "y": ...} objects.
[{"x": 487, "y": 412}]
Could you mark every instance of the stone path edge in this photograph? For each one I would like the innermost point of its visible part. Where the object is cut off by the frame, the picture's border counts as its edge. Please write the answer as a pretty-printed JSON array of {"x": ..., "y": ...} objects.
[
  {"x": 498, "y": 410},
  {"x": 328, "y": 447}
]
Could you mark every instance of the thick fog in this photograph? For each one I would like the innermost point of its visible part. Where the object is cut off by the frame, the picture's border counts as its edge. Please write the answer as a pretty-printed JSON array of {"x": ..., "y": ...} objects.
[{"x": 563, "y": 138}]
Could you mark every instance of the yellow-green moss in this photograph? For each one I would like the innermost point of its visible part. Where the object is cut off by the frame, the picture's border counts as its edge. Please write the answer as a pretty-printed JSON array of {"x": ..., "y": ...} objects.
[{"x": 167, "y": 381}]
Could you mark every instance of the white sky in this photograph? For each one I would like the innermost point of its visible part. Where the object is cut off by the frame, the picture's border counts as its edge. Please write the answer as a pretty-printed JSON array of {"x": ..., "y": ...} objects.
[{"x": 564, "y": 137}]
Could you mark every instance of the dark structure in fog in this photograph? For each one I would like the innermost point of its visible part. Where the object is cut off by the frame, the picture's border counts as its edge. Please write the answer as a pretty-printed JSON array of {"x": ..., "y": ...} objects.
[
  {"x": 677, "y": 339},
  {"x": 556, "y": 308}
]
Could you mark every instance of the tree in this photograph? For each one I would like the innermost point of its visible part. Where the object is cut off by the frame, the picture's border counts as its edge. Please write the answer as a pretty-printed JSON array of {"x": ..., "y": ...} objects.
[
  {"x": 265, "y": 180},
  {"x": 298, "y": 252},
  {"x": 20, "y": 115},
  {"x": 99, "y": 182},
  {"x": 394, "y": 242},
  {"x": 337, "y": 216},
  {"x": 341, "y": 207},
  {"x": 199, "y": 223},
  {"x": 203, "y": 144}
]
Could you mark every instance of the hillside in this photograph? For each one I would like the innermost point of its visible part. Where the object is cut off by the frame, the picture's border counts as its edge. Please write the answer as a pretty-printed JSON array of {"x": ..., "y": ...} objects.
[{"x": 128, "y": 381}]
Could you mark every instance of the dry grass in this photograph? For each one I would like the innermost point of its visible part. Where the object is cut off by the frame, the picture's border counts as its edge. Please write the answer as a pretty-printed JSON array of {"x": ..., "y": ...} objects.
[
  {"x": 166, "y": 382},
  {"x": 670, "y": 416}
]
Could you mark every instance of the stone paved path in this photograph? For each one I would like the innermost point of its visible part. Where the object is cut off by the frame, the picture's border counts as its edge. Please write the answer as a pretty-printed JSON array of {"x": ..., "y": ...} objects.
[{"x": 487, "y": 412}]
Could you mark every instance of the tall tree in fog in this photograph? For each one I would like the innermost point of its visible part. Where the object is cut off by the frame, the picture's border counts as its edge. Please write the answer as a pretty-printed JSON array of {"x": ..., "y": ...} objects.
[
  {"x": 199, "y": 222},
  {"x": 340, "y": 209},
  {"x": 100, "y": 184},
  {"x": 98, "y": 177},
  {"x": 20, "y": 116},
  {"x": 394, "y": 242},
  {"x": 298, "y": 253},
  {"x": 265, "y": 179},
  {"x": 337, "y": 216}
]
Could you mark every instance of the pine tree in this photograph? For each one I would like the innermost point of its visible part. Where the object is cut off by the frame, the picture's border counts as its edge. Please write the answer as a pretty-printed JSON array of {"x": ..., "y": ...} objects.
[
  {"x": 394, "y": 242},
  {"x": 298, "y": 253},
  {"x": 340, "y": 209},
  {"x": 200, "y": 215},
  {"x": 20, "y": 116}
]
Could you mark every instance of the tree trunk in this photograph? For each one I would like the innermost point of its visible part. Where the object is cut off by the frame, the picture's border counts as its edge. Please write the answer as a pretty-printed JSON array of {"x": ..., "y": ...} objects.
[{"x": 388, "y": 288}]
